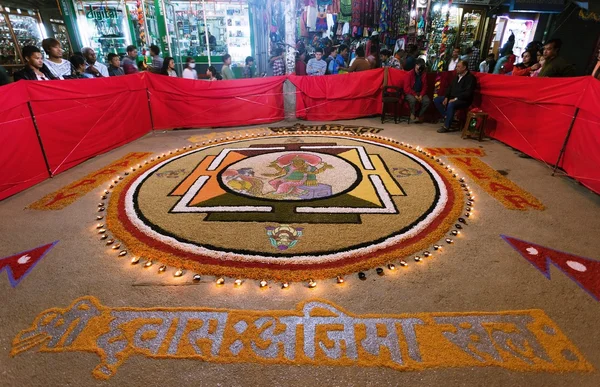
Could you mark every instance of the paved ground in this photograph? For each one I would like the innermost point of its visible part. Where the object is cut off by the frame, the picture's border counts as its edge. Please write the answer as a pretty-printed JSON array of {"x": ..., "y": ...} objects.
[{"x": 481, "y": 273}]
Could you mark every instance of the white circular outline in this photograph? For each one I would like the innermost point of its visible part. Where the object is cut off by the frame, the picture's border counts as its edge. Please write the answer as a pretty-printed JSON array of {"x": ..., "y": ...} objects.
[{"x": 284, "y": 260}]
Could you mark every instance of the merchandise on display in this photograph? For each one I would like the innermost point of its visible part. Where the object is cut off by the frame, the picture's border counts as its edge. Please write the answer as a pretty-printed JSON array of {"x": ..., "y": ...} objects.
[
  {"x": 228, "y": 25},
  {"x": 103, "y": 26},
  {"x": 18, "y": 28}
]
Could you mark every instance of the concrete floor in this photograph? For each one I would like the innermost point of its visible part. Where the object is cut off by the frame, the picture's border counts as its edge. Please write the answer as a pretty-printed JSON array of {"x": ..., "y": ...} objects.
[{"x": 481, "y": 273}]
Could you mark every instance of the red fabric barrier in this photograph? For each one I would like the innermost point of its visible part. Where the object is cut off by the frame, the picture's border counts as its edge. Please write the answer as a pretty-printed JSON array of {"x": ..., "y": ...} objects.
[
  {"x": 82, "y": 118},
  {"x": 338, "y": 97},
  {"x": 183, "y": 103},
  {"x": 582, "y": 155},
  {"x": 79, "y": 119},
  {"x": 21, "y": 161}
]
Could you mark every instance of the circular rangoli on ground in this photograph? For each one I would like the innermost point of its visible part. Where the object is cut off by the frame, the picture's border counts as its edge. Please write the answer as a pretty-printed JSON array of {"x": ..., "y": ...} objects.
[{"x": 286, "y": 207}]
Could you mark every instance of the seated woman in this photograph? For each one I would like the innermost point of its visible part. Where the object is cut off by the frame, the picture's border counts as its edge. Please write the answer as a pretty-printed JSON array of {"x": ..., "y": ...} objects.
[
  {"x": 525, "y": 68},
  {"x": 213, "y": 74}
]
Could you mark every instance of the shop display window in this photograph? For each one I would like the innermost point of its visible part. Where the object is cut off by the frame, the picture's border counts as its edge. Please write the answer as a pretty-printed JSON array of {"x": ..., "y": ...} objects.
[
  {"x": 227, "y": 23},
  {"x": 8, "y": 50},
  {"x": 103, "y": 26},
  {"x": 18, "y": 28}
]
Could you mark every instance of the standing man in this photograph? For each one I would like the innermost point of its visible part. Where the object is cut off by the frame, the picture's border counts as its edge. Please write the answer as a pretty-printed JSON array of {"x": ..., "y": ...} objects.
[
  {"x": 226, "y": 71},
  {"x": 459, "y": 95},
  {"x": 474, "y": 57},
  {"x": 342, "y": 58},
  {"x": 554, "y": 65},
  {"x": 129, "y": 62},
  {"x": 332, "y": 64},
  {"x": 157, "y": 61},
  {"x": 415, "y": 88},
  {"x": 277, "y": 63},
  {"x": 92, "y": 66},
  {"x": 316, "y": 65},
  {"x": 454, "y": 59},
  {"x": 487, "y": 66},
  {"x": 59, "y": 67},
  {"x": 411, "y": 57},
  {"x": 35, "y": 69},
  {"x": 360, "y": 63},
  {"x": 388, "y": 60}
]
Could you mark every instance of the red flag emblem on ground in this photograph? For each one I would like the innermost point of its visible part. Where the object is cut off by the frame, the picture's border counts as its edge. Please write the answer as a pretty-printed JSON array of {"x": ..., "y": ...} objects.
[
  {"x": 19, "y": 265},
  {"x": 584, "y": 271}
]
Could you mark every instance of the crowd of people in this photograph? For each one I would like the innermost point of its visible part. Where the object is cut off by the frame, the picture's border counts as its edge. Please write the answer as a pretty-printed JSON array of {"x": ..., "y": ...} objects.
[
  {"x": 538, "y": 60},
  {"x": 85, "y": 64}
]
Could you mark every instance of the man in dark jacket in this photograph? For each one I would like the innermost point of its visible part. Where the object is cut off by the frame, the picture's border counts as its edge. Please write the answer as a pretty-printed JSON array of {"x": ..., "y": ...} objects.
[
  {"x": 415, "y": 90},
  {"x": 459, "y": 95},
  {"x": 35, "y": 69}
]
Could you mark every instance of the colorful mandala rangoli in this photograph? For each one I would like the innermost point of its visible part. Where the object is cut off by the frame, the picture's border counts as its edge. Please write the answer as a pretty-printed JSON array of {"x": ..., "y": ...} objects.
[{"x": 286, "y": 207}]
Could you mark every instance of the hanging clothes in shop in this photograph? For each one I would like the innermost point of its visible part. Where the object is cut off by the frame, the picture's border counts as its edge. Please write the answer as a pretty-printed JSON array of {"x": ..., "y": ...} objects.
[
  {"x": 303, "y": 26},
  {"x": 311, "y": 17},
  {"x": 345, "y": 11},
  {"x": 357, "y": 8},
  {"x": 334, "y": 8},
  {"x": 324, "y": 2},
  {"x": 321, "y": 24},
  {"x": 385, "y": 14}
]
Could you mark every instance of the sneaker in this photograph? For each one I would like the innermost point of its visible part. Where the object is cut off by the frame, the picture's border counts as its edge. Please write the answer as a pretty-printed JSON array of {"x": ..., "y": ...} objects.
[
  {"x": 443, "y": 129},
  {"x": 412, "y": 117}
]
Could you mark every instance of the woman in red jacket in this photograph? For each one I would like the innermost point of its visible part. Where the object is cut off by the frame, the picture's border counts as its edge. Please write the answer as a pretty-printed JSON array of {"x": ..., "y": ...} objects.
[
  {"x": 415, "y": 90},
  {"x": 528, "y": 65}
]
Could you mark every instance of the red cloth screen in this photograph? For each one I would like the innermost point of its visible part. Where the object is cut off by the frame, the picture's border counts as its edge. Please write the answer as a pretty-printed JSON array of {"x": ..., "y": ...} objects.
[
  {"x": 184, "y": 103},
  {"x": 21, "y": 161},
  {"x": 338, "y": 97}
]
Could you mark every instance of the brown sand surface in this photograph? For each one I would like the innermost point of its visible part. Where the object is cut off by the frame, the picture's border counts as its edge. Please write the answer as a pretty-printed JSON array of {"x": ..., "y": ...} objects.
[{"x": 481, "y": 272}]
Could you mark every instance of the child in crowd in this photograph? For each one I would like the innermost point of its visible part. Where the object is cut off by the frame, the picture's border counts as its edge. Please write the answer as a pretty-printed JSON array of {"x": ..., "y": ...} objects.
[
  {"x": 213, "y": 74},
  {"x": 114, "y": 65},
  {"x": 249, "y": 68}
]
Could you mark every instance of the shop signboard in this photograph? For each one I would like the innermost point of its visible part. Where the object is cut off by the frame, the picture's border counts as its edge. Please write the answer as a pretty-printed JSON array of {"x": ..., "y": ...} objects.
[
  {"x": 101, "y": 13},
  {"x": 538, "y": 6}
]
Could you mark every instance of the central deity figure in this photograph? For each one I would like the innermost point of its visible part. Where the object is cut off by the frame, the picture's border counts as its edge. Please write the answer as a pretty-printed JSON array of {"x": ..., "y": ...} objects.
[{"x": 294, "y": 170}]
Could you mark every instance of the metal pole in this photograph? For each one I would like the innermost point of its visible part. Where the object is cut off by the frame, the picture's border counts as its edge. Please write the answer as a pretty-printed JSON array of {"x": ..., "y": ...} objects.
[
  {"x": 37, "y": 132},
  {"x": 206, "y": 32},
  {"x": 150, "y": 109},
  {"x": 564, "y": 147},
  {"x": 164, "y": 10}
]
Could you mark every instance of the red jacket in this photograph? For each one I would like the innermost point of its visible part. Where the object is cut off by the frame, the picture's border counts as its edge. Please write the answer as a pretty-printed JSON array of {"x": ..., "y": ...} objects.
[{"x": 409, "y": 82}]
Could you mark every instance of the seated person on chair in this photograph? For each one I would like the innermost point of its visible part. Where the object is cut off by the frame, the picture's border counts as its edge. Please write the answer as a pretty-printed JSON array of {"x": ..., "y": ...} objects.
[
  {"x": 415, "y": 88},
  {"x": 459, "y": 95}
]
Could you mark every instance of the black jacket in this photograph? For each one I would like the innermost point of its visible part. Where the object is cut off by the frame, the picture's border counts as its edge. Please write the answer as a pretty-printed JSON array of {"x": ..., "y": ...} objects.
[
  {"x": 464, "y": 89},
  {"x": 29, "y": 75}
]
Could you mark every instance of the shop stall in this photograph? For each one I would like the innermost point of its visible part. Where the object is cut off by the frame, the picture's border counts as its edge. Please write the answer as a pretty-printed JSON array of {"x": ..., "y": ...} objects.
[
  {"x": 101, "y": 25},
  {"x": 18, "y": 28},
  {"x": 206, "y": 30},
  {"x": 522, "y": 27}
]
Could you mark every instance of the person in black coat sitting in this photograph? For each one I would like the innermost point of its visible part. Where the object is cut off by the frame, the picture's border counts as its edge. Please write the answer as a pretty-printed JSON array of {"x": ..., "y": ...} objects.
[
  {"x": 459, "y": 95},
  {"x": 35, "y": 69}
]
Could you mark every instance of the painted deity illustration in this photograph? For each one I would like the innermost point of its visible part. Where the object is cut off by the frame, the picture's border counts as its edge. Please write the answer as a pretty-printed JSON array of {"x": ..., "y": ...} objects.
[
  {"x": 295, "y": 177},
  {"x": 284, "y": 237},
  {"x": 243, "y": 180},
  {"x": 295, "y": 172}
]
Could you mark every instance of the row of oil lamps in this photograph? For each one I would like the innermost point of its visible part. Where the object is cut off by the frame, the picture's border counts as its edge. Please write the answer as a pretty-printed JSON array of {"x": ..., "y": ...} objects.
[{"x": 220, "y": 281}]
